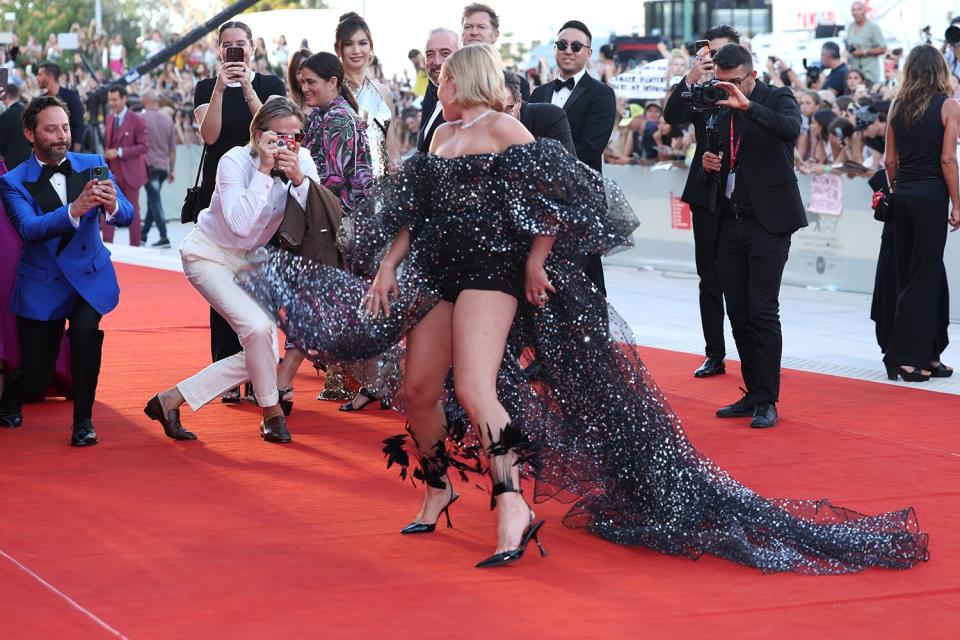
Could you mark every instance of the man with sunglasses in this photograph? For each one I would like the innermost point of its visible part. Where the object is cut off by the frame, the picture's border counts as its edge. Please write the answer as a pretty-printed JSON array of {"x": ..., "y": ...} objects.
[
  {"x": 590, "y": 105},
  {"x": 704, "y": 221},
  {"x": 760, "y": 207}
]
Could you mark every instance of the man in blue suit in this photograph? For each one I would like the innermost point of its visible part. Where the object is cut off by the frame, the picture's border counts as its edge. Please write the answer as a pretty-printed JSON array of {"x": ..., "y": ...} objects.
[{"x": 53, "y": 200}]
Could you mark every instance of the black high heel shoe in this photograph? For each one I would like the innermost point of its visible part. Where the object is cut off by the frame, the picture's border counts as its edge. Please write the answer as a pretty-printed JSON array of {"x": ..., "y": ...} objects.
[
  {"x": 893, "y": 371},
  {"x": 506, "y": 557},
  {"x": 940, "y": 371},
  {"x": 285, "y": 405},
  {"x": 368, "y": 397},
  {"x": 421, "y": 527}
]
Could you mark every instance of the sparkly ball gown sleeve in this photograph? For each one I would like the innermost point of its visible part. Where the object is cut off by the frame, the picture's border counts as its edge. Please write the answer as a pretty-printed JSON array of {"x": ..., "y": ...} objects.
[{"x": 607, "y": 440}]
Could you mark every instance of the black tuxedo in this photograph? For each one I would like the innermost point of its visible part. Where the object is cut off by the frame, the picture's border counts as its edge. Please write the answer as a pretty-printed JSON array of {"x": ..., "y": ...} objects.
[
  {"x": 545, "y": 120},
  {"x": 14, "y": 147},
  {"x": 591, "y": 110},
  {"x": 696, "y": 194},
  {"x": 755, "y": 228},
  {"x": 428, "y": 105}
]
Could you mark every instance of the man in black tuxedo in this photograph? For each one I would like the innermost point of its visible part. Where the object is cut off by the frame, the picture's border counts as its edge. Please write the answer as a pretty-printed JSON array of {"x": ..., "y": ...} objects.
[
  {"x": 704, "y": 221},
  {"x": 590, "y": 106},
  {"x": 440, "y": 44},
  {"x": 14, "y": 147},
  {"x": 542, "y": 120},
  {"x": 480, "y": 23},
  {"x": 48, "y": 77},
  {"x": 760, "y": 208}
]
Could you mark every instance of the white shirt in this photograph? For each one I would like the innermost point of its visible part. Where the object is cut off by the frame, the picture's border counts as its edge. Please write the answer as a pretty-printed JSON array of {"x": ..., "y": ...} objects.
[
  {"x": 437, "y": 110},
  {"x": 117, "y": 121},
  {"x": 247, "y": 206},
  {"x": 560, "y": 97},
  {"x": 59, "y": 183}
]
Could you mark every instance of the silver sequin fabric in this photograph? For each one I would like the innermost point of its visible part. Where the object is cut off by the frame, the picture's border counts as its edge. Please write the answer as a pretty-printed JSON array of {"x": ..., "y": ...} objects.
[{"x": 611, "y": 444}]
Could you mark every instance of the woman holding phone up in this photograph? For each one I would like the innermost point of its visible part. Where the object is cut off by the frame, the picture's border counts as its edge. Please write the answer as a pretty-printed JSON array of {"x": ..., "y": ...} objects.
[{"x": 225, "y": 105}]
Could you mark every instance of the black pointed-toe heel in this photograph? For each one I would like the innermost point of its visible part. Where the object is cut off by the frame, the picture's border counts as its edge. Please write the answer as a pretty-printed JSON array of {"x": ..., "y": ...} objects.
[
  {"x": 368, "y": 398},
  {"x": 285, "y": 405},
  {"x": 894, "y": 371},
  {"x": 420, "y": 527},
  {"x": 506, "y": 557}
]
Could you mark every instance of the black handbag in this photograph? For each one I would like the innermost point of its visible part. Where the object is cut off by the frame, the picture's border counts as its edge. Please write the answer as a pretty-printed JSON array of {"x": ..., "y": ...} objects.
[
  {"x": 192, "y": 204},
  {"x": 882, "y": 195}
]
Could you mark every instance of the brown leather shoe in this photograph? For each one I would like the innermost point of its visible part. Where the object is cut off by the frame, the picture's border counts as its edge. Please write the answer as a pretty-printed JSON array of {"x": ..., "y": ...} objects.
[
  {"x": 171, "y": 422},
  {"x": 274, "y": 429}
]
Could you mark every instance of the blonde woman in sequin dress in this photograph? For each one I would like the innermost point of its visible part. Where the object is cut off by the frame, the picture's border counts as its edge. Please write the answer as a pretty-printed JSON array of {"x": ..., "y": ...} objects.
[{"x": 490, "y": 229}]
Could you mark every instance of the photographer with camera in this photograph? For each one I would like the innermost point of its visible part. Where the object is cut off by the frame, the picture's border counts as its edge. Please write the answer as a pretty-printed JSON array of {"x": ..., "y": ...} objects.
[
  {"x": 866, "y": 45},
  {"x": 678, "y": 112},
  {"x": 254, "y": 183},
  {"x": 760, "y": 207},
  {"x": 225, "y": 105}
]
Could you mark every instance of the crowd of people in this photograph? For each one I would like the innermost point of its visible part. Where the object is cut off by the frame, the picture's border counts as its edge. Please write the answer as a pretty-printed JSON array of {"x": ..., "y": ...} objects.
[{"x": 480, "y": 257}]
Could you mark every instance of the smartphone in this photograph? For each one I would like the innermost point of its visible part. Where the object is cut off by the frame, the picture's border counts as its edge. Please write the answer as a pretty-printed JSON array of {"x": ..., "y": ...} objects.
[
  {"x": 100, "y": 173},
  {"x": 699, "y": 45},
  {"x": 234, "y": 54}
]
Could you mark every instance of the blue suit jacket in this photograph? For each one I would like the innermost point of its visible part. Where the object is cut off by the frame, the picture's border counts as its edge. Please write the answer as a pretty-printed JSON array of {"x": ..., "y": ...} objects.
[{"x": 58, "y": 263}]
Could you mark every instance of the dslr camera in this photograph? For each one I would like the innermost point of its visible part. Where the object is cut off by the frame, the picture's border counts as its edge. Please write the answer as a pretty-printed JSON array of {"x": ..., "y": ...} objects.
[
  {"x": 703, "y": 96},
  {"x": 814, "y": 69}
]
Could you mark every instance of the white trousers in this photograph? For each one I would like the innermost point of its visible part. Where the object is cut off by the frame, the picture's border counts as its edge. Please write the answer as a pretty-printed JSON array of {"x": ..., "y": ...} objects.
[{"x": 212, "y": 270}]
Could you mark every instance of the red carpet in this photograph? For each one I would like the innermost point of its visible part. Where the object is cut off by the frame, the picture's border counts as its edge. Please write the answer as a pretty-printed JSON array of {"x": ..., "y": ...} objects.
[{"x": 230, "y": 537}]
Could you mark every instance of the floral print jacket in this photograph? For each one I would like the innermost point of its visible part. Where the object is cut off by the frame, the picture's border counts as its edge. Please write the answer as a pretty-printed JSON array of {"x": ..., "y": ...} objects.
[{"x": 337, "y": 140}]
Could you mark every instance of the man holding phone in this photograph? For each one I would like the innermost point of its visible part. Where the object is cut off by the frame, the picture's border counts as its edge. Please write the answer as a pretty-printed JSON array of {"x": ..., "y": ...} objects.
[
  {"x": 697, "y": 196},
  {"x": 127, "y": 142},
  {"x": 64, "y": 274}
]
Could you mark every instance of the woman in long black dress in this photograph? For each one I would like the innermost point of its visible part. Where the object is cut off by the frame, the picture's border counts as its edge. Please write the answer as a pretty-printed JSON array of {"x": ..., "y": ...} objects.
[
  {"x": 478, "y": 225},
  {"x": 225, "y": 105},
  {"x": 921, "y": 164}
]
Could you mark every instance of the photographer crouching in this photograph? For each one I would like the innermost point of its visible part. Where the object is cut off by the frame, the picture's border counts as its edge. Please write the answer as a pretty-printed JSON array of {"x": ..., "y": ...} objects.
[{"x": 760, "y": 207}]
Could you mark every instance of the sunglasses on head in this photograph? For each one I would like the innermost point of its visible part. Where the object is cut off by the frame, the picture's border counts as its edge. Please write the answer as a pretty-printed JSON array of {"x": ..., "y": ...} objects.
[{"x": 574, "y": 46}]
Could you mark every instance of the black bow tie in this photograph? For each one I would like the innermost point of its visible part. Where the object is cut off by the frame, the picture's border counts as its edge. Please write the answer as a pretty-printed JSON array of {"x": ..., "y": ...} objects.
[
  {"x": 560, "y": 84},
  {"x": 47, "y": 171}
]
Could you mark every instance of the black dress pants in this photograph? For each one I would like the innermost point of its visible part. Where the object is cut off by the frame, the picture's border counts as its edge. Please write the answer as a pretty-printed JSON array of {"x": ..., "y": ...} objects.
[
  {"x": 40, "y": 347},
  {"x": 918, "y": 335},
  {"x": 711, "y": 293},
  {"x": 750, "y": 261}
]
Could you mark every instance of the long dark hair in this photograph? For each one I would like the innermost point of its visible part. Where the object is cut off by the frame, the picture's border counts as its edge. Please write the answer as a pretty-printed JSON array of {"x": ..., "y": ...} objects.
[
  {"x": 925, "y": 75},
  {"x": 292, "y": 68},
  {"x": 349, "y": 24},
  {"x": 326, "y": 66}
]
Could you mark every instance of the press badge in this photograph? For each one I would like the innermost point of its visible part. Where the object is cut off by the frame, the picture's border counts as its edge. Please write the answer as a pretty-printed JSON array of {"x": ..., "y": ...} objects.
[{"x": 731, "y": 182}]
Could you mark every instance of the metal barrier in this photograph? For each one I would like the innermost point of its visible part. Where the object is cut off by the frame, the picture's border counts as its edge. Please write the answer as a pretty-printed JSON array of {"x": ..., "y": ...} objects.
[{"x": 835, "y": 251}]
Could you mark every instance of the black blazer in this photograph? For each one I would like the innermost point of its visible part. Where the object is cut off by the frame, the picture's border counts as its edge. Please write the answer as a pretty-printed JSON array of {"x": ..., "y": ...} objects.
[
  {"x": 77, "y": 126},
  {"x": 545, "y": 120},
  {"x": 591, "y": 111},
  {"x": 765, "y": 158},
  {"x": 429, "y": 103},
  {"x": 677, "y": 113},
  {"x": 14, "y": 147}
]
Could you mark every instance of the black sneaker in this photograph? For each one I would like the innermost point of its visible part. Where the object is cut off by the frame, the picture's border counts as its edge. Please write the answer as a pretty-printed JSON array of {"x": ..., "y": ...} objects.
[
  {"x": 742, "y": 408},
  {"x": 162, "y": 243},
  {"x": 765, "y": 416}
]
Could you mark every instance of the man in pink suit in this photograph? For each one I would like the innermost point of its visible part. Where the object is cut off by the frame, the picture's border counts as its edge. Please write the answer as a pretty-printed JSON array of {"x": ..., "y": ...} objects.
[{"x": 127, "y": 142}]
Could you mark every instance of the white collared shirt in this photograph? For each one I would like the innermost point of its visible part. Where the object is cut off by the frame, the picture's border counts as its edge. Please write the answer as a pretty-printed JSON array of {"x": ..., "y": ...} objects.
[
  {"x": 560, "y": 97},
  {"x": 117, "y": 121},
  {"x": 247, "y": 206},
  {"x": 59, "y": 183}
]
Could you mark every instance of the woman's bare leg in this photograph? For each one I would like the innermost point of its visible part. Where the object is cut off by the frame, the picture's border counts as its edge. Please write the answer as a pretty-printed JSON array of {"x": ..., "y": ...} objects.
[
  {"x": 428, "y": 361},
  {"x": 288, "y": 368},
  {"x": 481, "y": 323}
]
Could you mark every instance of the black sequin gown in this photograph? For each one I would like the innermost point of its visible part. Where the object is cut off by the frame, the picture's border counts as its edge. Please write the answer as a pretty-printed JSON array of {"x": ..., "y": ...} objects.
[{"x": 611, "y": 444}]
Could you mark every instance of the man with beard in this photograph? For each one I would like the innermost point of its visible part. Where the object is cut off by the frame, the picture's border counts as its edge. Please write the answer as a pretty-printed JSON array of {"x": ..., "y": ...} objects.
[
  {"x": 53, "y": 200},
  {"x": 440, "y": 44}
]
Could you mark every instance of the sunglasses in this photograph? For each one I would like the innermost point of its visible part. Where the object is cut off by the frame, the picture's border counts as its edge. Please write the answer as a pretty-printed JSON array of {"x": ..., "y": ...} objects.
[{"x": 574, "y": 46}]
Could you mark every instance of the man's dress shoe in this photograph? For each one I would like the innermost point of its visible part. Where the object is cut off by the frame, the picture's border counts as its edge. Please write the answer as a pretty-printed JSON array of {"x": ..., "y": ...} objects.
[
  {"x": 710, "y": 367},
  {"x": 83, "y": 433},
  {"x": 171, "y": 422},
  {"x": 742, "y": 408},
  {"x": 765, "y": 416},
  {"x": 10, "y": 418},
  {"x": 274, "y": 429}
]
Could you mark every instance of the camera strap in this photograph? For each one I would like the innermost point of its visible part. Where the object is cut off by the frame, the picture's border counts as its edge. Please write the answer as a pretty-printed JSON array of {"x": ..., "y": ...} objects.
[{"x": 734, "y": 151}]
